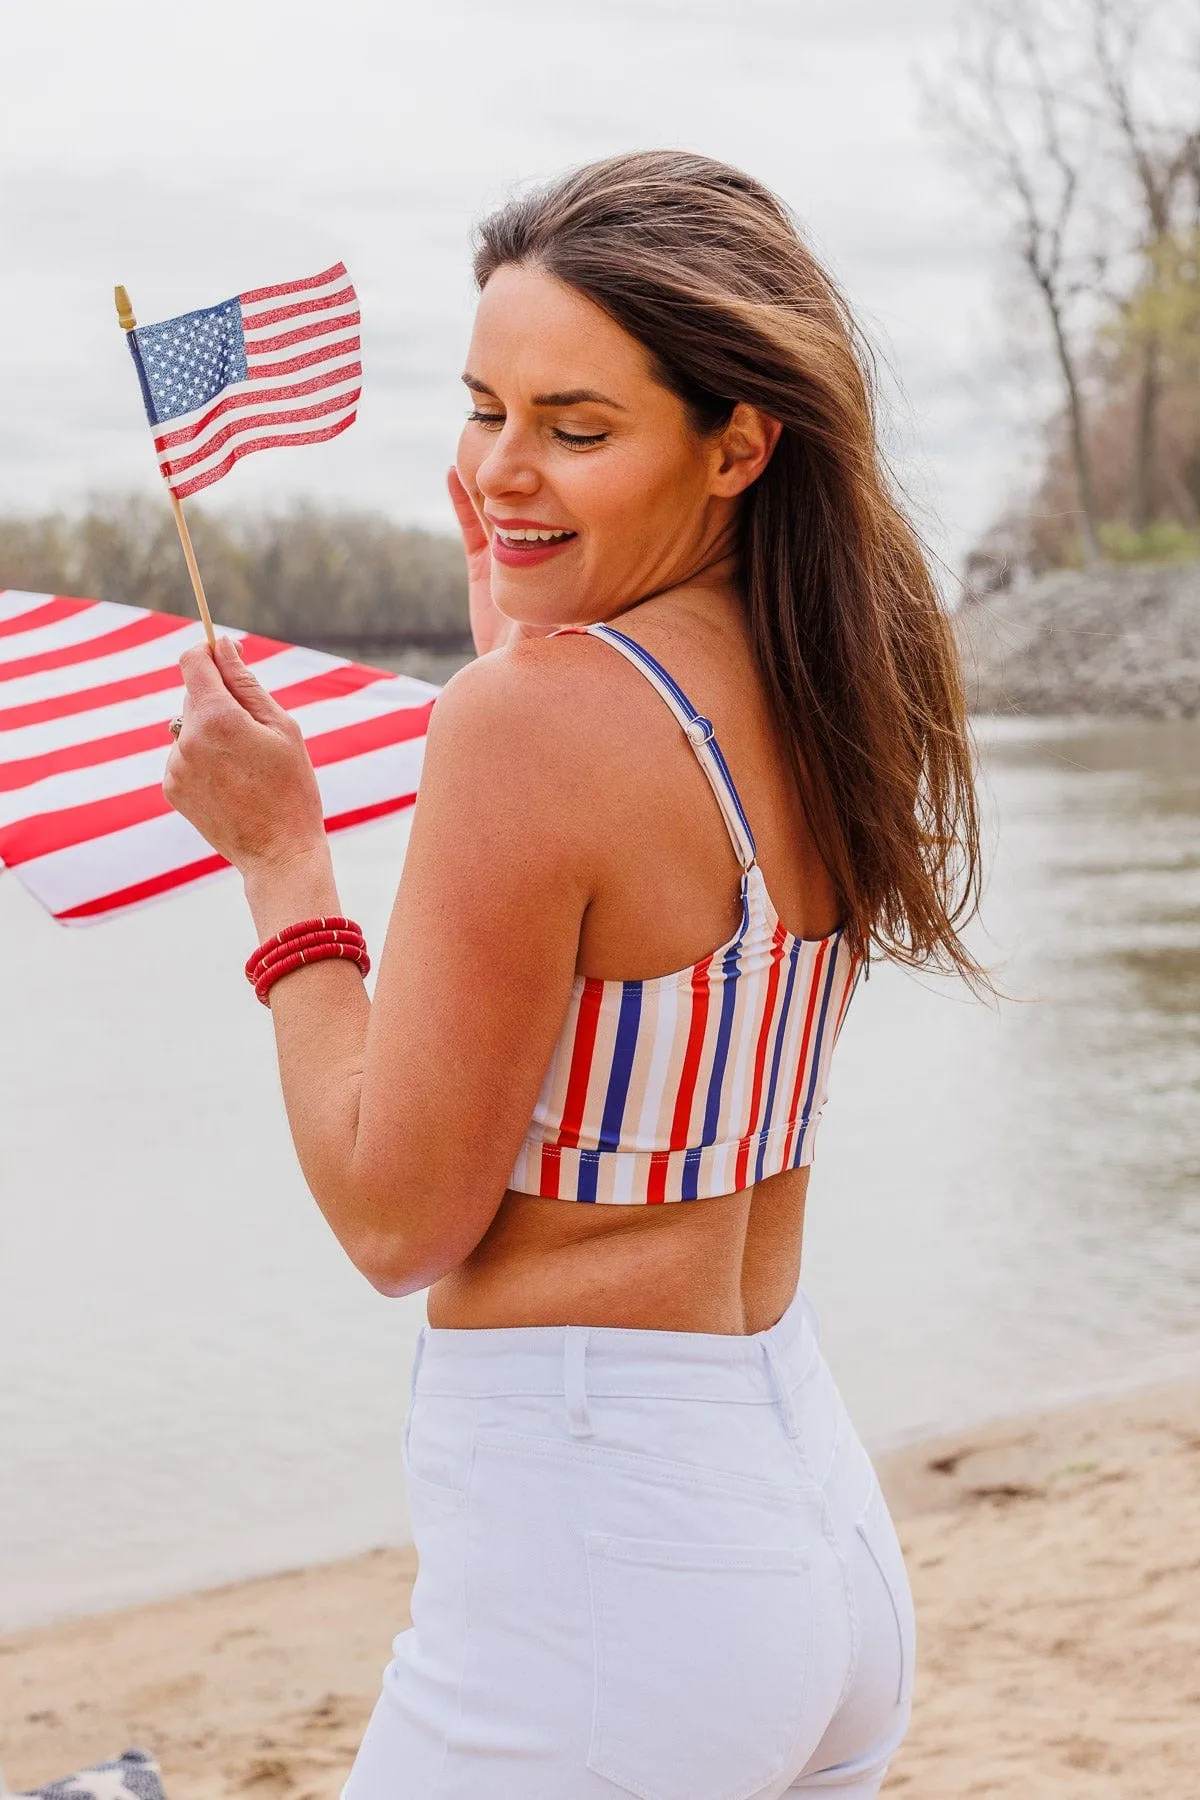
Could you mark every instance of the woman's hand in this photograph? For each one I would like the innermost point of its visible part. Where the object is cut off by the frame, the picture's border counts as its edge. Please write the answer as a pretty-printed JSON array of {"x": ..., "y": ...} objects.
[
  {"x": 489, "y": 627},
  {"x": 239, "y": 771}
]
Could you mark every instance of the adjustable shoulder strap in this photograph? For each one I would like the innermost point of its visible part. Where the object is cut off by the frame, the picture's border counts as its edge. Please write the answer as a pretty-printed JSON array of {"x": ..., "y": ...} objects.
[{"x": 699, "y": 733}]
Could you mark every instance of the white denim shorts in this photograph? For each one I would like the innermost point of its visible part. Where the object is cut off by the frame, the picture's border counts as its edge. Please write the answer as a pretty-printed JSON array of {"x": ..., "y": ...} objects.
[{"x": 652, "y": 1563}]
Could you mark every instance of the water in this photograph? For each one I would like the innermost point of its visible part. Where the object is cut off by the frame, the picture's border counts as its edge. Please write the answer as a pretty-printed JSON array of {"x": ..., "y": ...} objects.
[{"x": 195, "y": 1385}]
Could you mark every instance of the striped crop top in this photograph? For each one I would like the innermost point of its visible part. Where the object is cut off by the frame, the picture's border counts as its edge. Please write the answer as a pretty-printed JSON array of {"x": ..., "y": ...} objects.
[{"x": 704, "y": 1081}]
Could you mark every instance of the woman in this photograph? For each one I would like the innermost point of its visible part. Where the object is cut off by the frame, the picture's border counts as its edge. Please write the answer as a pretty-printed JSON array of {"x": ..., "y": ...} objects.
[{"x": 654, "y": 1556}]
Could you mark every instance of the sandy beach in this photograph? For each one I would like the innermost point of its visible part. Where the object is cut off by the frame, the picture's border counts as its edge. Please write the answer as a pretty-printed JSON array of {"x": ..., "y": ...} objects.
[{"x": 1056, "y": 1566}]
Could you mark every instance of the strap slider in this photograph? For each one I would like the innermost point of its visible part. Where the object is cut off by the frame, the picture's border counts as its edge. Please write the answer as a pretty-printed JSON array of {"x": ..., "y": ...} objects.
[{"x": 699, "y": 730}]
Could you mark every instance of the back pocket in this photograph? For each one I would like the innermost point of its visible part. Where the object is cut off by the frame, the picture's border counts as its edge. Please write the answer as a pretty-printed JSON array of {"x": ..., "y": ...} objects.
[{"x": 703, "y": 1665}]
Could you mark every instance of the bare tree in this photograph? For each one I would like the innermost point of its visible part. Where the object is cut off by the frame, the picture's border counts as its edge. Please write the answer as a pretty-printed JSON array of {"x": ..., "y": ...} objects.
[
  {"x": 1016, "y": 109},
  {"x": 1160, "y": 154}
]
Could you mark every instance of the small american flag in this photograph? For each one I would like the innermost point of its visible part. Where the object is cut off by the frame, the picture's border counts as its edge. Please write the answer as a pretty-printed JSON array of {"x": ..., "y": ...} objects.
[
  {"x": 87, "y": 689},
  {"x": 276, "y": 366}
]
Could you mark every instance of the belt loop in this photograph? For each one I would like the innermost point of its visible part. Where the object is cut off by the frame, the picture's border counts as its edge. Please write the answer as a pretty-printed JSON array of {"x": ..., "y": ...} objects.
[
  {"x": 418, "y": 1353},
  {"x": 787, "y": 1411},
  {"x": 575, "y": 1380}
]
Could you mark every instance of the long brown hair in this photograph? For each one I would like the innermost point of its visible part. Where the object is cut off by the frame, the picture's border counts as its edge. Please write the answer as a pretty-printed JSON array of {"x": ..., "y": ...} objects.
[{"x": 706, "y": 268}]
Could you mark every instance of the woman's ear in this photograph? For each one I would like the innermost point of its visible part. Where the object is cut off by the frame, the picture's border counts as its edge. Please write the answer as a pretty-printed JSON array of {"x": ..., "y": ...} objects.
[{"x": 744, "y": 449}]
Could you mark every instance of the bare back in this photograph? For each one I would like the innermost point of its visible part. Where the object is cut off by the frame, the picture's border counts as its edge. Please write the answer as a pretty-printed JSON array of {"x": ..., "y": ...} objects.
[{"x": 668, "y": 894}]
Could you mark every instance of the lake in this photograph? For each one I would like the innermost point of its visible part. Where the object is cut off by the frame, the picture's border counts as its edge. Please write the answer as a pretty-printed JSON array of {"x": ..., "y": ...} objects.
[{"x": 195, "y": 1385}]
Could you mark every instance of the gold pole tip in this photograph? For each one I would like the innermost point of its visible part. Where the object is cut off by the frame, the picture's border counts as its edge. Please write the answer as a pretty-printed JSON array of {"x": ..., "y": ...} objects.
[{"x": 125, "y": 318}]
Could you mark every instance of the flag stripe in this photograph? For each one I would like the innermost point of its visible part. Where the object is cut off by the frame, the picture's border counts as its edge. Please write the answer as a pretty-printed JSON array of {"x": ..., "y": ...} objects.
[
  {"x": 16, "y": 602},
  {"x": 146, "y": 630},
  {"x": 260, "y": 382},
  {"x": 156, "y": 885},
  {"x": 321, "y": 322},
  {"x": 242, "y": 397},
  {"x": 43, "y": 833},
  {"x": 60, "y": 607},
  {"x": 78, "y": 628},
  {"x": 277, "y": 666},
  {"x": 304, "y": 334},
  {"x": 319, "y": 409},
  {"x": 298, "y": 309},
  {"x": 307, "y": 359},
  {"x": 83, "y": 746},
  {"x": 145, "y": 890},
  {"x": 245, "y": 415},
  {"x": 207, "y": 478},
  {"x": 86, "y": 871},
  {"x": 336, "y": 273},
  {"x": 87, "y": 754},
  {"x": 72, "y": 701}
]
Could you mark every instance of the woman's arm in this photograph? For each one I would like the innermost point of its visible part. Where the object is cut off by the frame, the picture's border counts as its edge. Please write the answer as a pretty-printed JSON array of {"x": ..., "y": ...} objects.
[{"x": 407, "y": 1113}]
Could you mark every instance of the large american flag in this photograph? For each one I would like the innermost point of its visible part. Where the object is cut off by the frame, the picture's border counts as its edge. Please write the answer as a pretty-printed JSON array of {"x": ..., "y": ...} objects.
[
  {"x": 87, "y": 689},
  {"x": 275, "y": 366}
]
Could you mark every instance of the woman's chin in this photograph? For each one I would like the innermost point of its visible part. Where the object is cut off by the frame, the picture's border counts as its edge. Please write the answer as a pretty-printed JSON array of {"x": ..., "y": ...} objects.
[{"x": 535, "y": 614}]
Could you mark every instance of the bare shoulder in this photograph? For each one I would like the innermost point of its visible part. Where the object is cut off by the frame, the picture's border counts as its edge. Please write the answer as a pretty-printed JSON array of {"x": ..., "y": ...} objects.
[
  {"x": 537, "y": 745},
  {"x": 540, "y": 709}
]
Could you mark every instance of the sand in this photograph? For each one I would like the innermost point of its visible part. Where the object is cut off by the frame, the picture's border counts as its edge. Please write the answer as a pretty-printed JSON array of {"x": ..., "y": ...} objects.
[{"x": 1056, "y": 1567}]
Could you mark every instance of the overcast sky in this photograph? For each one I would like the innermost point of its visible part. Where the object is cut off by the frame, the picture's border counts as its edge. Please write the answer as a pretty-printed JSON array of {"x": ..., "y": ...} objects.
[{"x": 195, "y": 151}]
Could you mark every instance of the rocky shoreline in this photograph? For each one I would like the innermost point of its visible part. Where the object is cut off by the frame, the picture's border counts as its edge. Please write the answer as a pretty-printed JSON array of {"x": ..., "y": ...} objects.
[{"x": 1110, "y": 641}]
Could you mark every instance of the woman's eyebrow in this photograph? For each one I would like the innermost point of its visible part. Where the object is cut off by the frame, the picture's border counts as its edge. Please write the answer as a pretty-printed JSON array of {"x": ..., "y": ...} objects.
[
  {"x": 577, "y": 397},
  {"x": 571, "y": 397}
]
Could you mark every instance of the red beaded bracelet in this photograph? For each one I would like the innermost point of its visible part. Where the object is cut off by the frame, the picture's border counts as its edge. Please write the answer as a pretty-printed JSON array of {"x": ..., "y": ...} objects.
[
  {"x": 299, "y": 929},
  {"x": 283, "y": 965},
  {"x": 310, "y": 940},
  {"x": 353, "y": 940},
  {"x": 322, "y": 952}
]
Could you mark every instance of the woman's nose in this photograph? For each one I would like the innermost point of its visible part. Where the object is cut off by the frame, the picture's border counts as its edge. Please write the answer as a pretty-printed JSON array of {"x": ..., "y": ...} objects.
[{"x": 505, "y": 470}]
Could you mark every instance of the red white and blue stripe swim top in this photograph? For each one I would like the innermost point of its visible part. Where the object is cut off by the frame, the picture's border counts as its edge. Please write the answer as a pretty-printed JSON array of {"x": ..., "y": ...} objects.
[{"x": 704, "y": 1081}]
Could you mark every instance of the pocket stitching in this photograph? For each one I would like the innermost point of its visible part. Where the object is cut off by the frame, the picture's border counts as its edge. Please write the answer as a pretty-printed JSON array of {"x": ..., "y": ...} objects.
[{"x": 656, "y": 1553}]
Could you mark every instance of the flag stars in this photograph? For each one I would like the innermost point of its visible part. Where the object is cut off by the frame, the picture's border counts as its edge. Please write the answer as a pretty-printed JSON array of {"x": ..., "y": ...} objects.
[{"x": 188, "y": 361}]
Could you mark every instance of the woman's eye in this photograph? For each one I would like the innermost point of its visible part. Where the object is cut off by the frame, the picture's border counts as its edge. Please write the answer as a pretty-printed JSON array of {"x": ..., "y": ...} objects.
[
  {"x": 580, "y": 441},
  {"x": 574, "y": 440}
]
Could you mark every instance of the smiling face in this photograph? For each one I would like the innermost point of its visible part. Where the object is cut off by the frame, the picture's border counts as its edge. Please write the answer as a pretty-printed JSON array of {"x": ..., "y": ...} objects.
[{"x": 593, "y": 485}]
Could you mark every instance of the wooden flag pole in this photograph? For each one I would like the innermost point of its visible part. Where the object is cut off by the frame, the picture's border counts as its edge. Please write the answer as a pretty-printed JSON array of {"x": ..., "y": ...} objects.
[
  {"x": 127, "y": 322},
  {"x": 189, "y": 557}
]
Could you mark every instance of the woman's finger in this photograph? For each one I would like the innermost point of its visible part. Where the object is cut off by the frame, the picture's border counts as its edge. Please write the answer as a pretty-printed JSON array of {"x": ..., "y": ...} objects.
[
  {"x": 245, "y": 686},
  {"x": 200, "y": 676},
  {"x": 469, "y": 523}
]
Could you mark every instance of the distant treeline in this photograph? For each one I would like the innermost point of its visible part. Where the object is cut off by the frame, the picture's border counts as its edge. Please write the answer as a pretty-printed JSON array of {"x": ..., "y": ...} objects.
[{"x": 313, "y": 575}]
